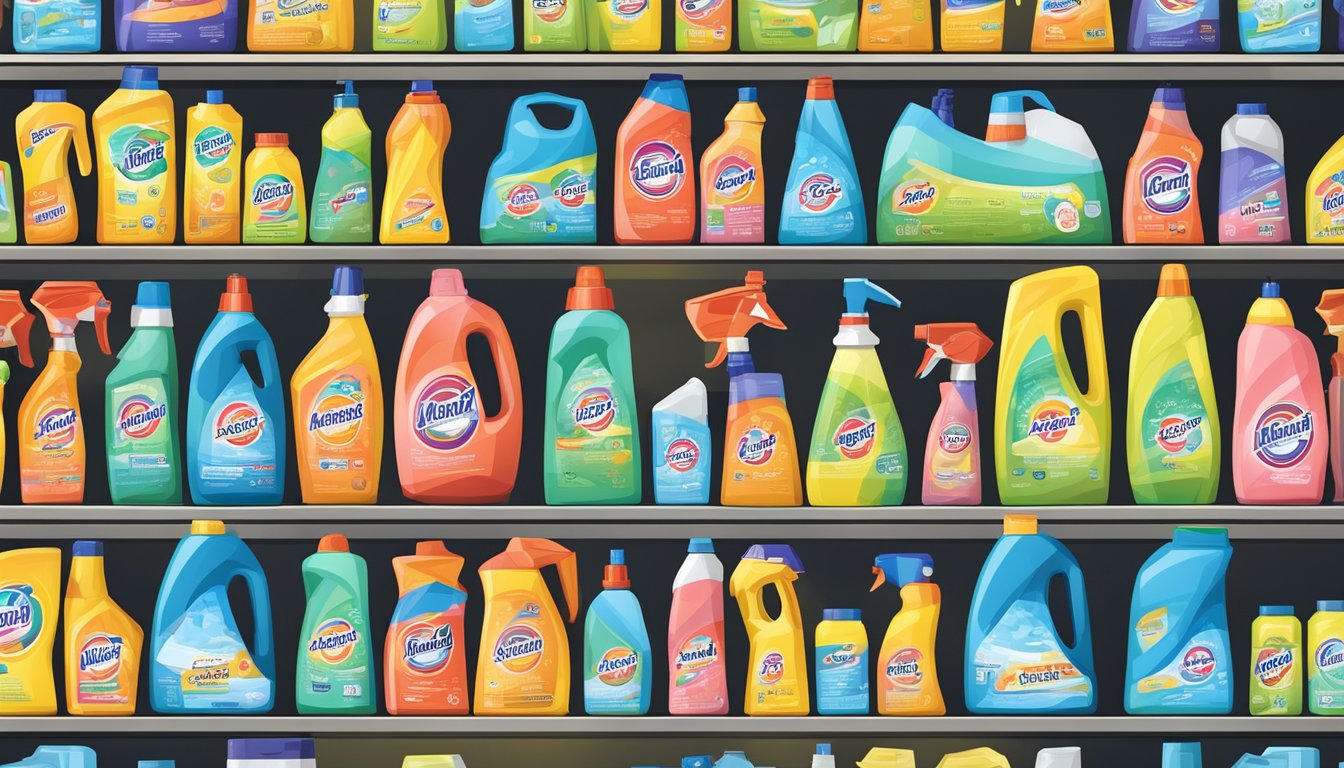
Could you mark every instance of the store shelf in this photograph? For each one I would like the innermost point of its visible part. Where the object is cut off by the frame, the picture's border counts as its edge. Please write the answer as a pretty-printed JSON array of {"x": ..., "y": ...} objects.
[{"x": 225, "y": 67}]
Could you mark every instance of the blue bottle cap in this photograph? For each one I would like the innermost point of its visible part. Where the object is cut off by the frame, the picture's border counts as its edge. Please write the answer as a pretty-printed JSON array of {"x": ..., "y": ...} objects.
[
  {"x": 664, "y": 77},
  {"x": 776, "y": 553},
  {"x": 1276, "y": 610},
  {"x": 618, "y": 557},
  {"x": 823, "y": 749},
  {"x": 48, "y": 95},
  {"x": 87, "y": 549},
  {"x": 1171, "y": 98},
  {"x": 840, "y": 614},
  {"x": 1181, "y": 754},
  {"x": 1252, "y": 109},
  {"x": 271, "y": 749},
  {"x": 214, "y": 97},
  {"x": 347, "y": 281},
  {"x": 1269, "y": 290},
  {"x": 420, "y": 86},
  {"x": 153, "y": 295},
  {"x": 349, "y": 99},
  {"x": 904, "y": 568},
  {"x": 157, "y": 764},
  {"x": 1332, "y": 606},
  {"x": 701, "y": 545},
  {"x": 747, "y": 93},
  {"x": 140, "y": 78}
]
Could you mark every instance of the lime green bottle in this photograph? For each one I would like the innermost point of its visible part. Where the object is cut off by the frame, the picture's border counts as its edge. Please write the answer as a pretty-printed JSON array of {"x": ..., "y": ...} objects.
[
  {"x": 410, "y": 25},
  {"x": 1277, "y": 667},
  {"x": 336, "y": 661},
  {"x": 555, "y": 25},
  {"x": 343, "y": 195}
]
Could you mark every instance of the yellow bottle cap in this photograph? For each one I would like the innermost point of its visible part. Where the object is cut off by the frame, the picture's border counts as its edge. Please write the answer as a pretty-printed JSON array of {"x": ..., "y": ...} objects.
[
  {"x": 437, "y": 761},
  {"x": 207, "y": 527},
  {"x": 886, "y": 757},
  {"x": 1019, "y": 525}
]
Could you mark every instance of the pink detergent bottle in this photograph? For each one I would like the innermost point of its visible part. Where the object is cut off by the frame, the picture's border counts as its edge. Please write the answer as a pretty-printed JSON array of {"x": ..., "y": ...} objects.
[
  {"x": 1280, "y": 447},
  {"x": 952, "y": 453},
  {"x": 697, "y": 681}
]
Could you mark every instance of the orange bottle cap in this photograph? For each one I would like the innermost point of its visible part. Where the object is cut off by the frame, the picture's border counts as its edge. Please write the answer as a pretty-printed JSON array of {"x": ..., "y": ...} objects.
[
  {"x": 334, "y": 542},
  {"x": 433, "y": 548},
  {"x": 1019, "y": 525},
  {"x": 447, "y": 282},
  {"x": 272, "y": 139},
  {"x": 1175, "y": 281},
  {"x": 616, "y": 575},
  {"x": 821, "y": 88},
  {"x": 235, "y": 297},
  {"x": 590, "y": 290}
]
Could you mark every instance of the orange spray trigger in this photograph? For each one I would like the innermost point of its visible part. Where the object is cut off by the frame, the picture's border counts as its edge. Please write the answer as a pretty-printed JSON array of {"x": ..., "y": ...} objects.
[
  {"x": 731, "y": 313},
  {"x": 1331, "y": 310},
  {"x": 15, "y": 323},
  {"x": 961, "y": 343},
  {"x": 65, "y": 303},
  {"x": 880, "y": 580}
]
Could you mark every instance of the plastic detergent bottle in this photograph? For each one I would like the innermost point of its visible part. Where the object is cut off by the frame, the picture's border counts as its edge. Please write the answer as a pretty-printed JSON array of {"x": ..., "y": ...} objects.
[
  {"x": 1325, "y": 197},
  {"x": 654, "y": 195},
  {"x": 57, "y": 26},
  {"x": 1016, "y": 662},
  {"x": 1276, "y": 458},
  {"x": 682, "y": 455},
  {"x": 52, "y": 466},
  {"x": 1331, "y": 310},
  {"x": 776, "y": 664},
  {"x": 448, "y": 450},
  {"x": 9, "y": 225},
  {"x": 704, "y": 26},
  {"x": 732, "y": 177},
  {"x": 343, "y": 195},
  {"x": 46, "y": 131},
  {"x": 1052, "y": 440},
  {"x": 483, "y": 25},
  {"x": 275, "y": 210},
  {"x": 235, "y": 423},
  {"x": 310, "y": 26},
  {"x": 1276, "y": 662},
  {"x": 1163, "y": 26},
  {"x": 907, "y": 675},
  {"x": 980, "y": 757},
  {"x": 176, "y": 25},
  {"x": 542, "y": 186},
  {"x": 1179, "y": 660},
  {"x": 617, "y": 677},
  {"x": 1279, "y": 26},
  {"x": 842, "y": 663},
  {"x": 424, "y": 661},
  {"x": 1073, "y": 26},
  {"x": 413, "y": 204},
  {"x": 823, "y": 202},
  {"x": 102, "y": 642},
  {"x": 696, "y": 658},
  {"x": 336, "y": 662},
  {"x": 899, "y": 26},
  {"x": 58, "y": 757},
  {"x": 952, "y": 451},
  {"x": 135, "y": 137},
  {"x": 810, "y": 25},
  {"x": 142, "y": 406},
  {"x": 760, "y": 453},
  {"x": 200, "y": 661},
  {"x": 337, "y": 393},
  {"x": 1325, "y": 654},
  {"x": 591, "y": 452},
  {"x": 555, "y": 25},
  {"x": 1252, "y": 189},
  {"x": 434, "y": 761},
  {"x": 1161, "y": 181},
  {"x": 624, "y": 25},
  {"x": 971, "y": 26},
  {"x": 410, "y": 25},
  {"x": 1172, "y": 434},
  {"x": 212, "y": 212},
  {"x": 272, "y": 753},
  {"x": 30, "y": 594},
  {"x": 857, "y": 456},
  {"x": 523, "y": 666}
]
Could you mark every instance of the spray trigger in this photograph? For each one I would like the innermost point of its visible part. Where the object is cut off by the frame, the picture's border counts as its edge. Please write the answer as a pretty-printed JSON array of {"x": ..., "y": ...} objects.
[
  {"x": 961, "y": 343},
  {"x": 66, "y": 302},
  {"x": 731, "y": 313},
  {"x": 15, "y": 323},
  {"x": 880, "y": 580},
  {"x": 860, "y": 290}
]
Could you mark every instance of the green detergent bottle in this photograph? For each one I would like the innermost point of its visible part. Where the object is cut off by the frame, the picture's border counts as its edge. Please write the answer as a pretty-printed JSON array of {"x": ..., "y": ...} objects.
[
  {"x": 9, "y": 227},
  {"x": 591, "y": 454},
  {"x": 144, "y": 451},
  {"x": 343, "y": 195},
  {"x": 335, "y": 672},
  {"x": 410, "y": 25},
  {"x": 798, "y": 25},
  {"x": 555, "y": 25}
]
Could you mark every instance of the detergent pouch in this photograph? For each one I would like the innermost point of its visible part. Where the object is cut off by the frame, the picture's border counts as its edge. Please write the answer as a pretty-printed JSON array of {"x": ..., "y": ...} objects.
[
  {"x": 57, "y": 26},
  {"x": 177, "y": 25},
  {"x": 798, "y": 25},
  {"x": 1279, "y": 26}
]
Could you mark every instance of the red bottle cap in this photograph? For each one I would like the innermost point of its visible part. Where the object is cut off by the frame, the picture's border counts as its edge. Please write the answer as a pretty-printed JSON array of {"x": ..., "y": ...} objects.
[
  {"x": 272, "y": 139},
  {"x": 334, "y": 542},
  {"x": 235, "y": 297},
  {"x": 590, "y": 291},
  {"x": 821, "y": 88}
]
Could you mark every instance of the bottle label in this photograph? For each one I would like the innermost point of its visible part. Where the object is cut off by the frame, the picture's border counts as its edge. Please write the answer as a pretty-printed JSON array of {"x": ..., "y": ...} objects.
[
  {"x": 842, "y": 678},
  {"x": 99, "y": 675},
  {"x": 1053, "y": 444},
  {"x": 447, "y": 412},
  {"x": 1022, "y": 657},
  {"x": 53, "y": 447},
  {"x": 424, "y": 644},
  {"x": 338, "y": 441},
  {"x": 211, "y": 146},
  {"x": 336, "y": 668},
  {"x": 553, "y": 204},
  {"x": 1326, "y": 684},
  {"x": 1282, "y": 438},
  {"x": 1197, "y": 674},
  {"x": 657, "y": 170},
  {"x": 140, "y": 155},
  {"x": 615, "y": 677},
  {"x": 238, "y": 442},
  {"x": 1273, "y": 671},
  {"x": 853, "y": 441},
  {"x": 1166, "y": 185},
  {"x": 205, "y": 665},
  {"x": 141, "y": 453},
  {"x": 21, "y": 618},
  {"x": 1176, "y": 432},
  {"x": 519, "y": 664},
  {"x": 593, "y": 431}
]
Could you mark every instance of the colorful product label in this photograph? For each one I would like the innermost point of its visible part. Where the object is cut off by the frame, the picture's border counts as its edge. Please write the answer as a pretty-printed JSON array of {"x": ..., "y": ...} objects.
[
  {"x": 657, "y": 170},
  {"x": 239, "y": 445},
  {"x": 973, "y": 25},
  {"x": 1253, "y": 198},
  {"x": 1325, "y": 214},
  {"x": 1281, "y": 439},
  {"x": 56, "y": 25},
  {"x": 446, "y": 415},
  {"x": 681, "y": 462},
  {"x": 1280, "y": 25},
  {"x": 775, "y": 683},
  {"x": 141, "y": 454},
  {"x": 274, "y": 209},
  {"x": 799, "y": 25},
  {"x": 101, "y": 677},
  {"x": 906, "y": 681},
  {"x": 858, "y": 453},
  {"x": 1197, "y": 673},
  {"x": 483, "y": 25},
  {"x": 1275, "y": 677},
  {"x": 733, "y": 198},
  {"x": 54, "y": 446},
  {"x": 519, "y": 666},
  {"x": 335, "y": 669},
  {"x": 338, "y": 439},
  {"x": 842, "y": 678},
  {"x": 593, "y": 431},
  {"x": 616, "y": 673},
  {"x": 1021, "y": 663},
  {"x": 308, "y": 25},
  {"x": 140, "y": 156},
  {"x": 1176, "y": 25},
  {"x": 204, "y": 664},
  {"x": 1176, "y": 431},
  {"x": 425, "y": 653},
  {"x": 1326, "y": 685},
  {"x": 21, "y": 618},
  {"x": 557, "y": 204}
]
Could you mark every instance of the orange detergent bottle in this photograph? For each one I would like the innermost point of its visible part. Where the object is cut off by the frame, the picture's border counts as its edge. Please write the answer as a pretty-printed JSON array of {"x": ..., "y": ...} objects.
[
  {"x": 655, "y": 173},
  {"x": 425, "y": 660},
  {"x": 1162, "y": 180}
]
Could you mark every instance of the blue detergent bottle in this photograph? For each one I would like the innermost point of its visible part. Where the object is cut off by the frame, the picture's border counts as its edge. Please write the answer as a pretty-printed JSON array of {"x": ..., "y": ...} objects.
[
  {"x": 823, "y": 201},
  {"x": 618, "y": 661},
  {"x": 57, "y": 26},
  {"x": 1160, "y": 26},
  {"x": 1279, "y": 26},
  {"x": 235, "y": 425},
  {"x": 1179, "y": 660},
  {"x": 1016, "y": 662},
  {"x": 58, "y": 757},
  {"x": 199, "y": 661},
  {"x": 682, "y": 456},
  {"x": 482, "y": 25}
]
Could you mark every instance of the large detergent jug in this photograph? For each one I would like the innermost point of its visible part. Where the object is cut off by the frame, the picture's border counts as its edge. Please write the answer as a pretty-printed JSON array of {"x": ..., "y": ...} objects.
[
  {"x": 523, "y": 666},
  {"x": 1016, "y": 662},
  {"x": 274, "y": 208},
  {"x": 343, "y": 195},
  {"x": 448, "y": 450},
  {"x": 52, "y": 466},
  {"x": 896, "y": 26},
  {"x": 336, "y": 674},
  {"x": 1161, "y": 26},
  {"x": 1279, "y": 26},
  {"x": 177, "y": 25},
  {"x": 141, "y": 407},
  {"x": 555, "y": 25},
  {"x": 214, "y": 174},
  {"x": 591, "y": 453},
  {"x": 907, "y": 676},
  {"x": 617, "y": 659},
  {"x": 1072, "y": 26},
  {"x": 57, "y": 26},
  {"x": 732, "y": 177},
  {"x": 30, "y": 595},
  {"x": 301, "y": 25},
  {"x": 696, "y": 661},
  {"x": 46, "y": 131},
  {"x": 1277, "y": 455},
  {"x": 776, "y": 664},
  {"x": 1252, "y": 188},
  {"x": 624, "y": 25},
  {"x": 200, "y": 661},
  {"x": 1162, "y": 178},
  {"x": 823, "y": 201},
  {"x": 857, "y": 456},
  {"x": 1052, "y": 441},
  {"x": 235, "y": 423},
  {"x": 102, "y": 642},
  {"x": 58, "y": 757},
  {"x": 682, "y": 455},
  {"x": 804, "y": 25},
  {"x": 410, "y": 25},
  {"x": 654, "y": 195},
  {"x": 760, "y": 453},
  {"x": 1276, "y": 662},
  {"x": 135, "y": 136},
  {"x": 413, "y": 205},
  {"x": 1331, "y": 310},
  {"x": 1172, "y": 435},
  {"x": 337, "y": 392},
  {"x": 1325, "y": 197},
  {"x": 1179, "y": 660},
  {"x": 483, "y": 25},
  {"x": 952, "y": 450},
  {"x": 704, "y": 26},
  {"x": 1325, "y": 654},
  {"x": 424, "y": 660},
  {"x": 971, "y": 26},
  {"x": 542, "y": 186}
]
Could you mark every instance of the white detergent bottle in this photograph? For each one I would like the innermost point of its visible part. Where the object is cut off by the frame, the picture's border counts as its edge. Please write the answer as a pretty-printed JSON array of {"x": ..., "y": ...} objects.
[
  {"x": 1253, "y": 186},
  {"x": 681, "y": 452}
]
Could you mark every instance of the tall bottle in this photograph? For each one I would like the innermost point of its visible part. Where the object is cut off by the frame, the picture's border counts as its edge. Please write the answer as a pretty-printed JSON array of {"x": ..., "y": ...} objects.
[
  {"x": 1277, "y": 673},
  {"x": 952, "y": 451},
  {"x": 103, "y": 643},
  {"x": 141, "y": 407},
  {"x": 410, "y": 25},
  {"x": 275, "y": 211},
  {"x": 335, "y": 668},
  {"x": 1252, "y": 188},
  {"x": 907, "y": 677},
  {"x": 1162, "y": 179},
  {"x": 732, "y": 177},
  {"x": 654, "y": 192},
  {"x": 413, "y": 203},
  {"x": 343, "y": 195},
  {"x": 424, "y": 660},
  {"x": 135, "y": 135},
  {"x": 681, "y": 446},
  {"x": 617, "y": 676},
  {"x": 697, "y": 661},
  {"x": 46, "y": 131},
  {"x": 214, "y": 174},
  {"x": 777, "y": 662},
  {"x": 823, "y": 201}
]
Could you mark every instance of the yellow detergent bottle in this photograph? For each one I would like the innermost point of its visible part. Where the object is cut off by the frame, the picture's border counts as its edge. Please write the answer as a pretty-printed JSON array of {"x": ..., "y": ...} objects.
[
  {"x": 134, "y": 134},
  {"x": 732, "y": 177},
  {"x": 46, "y": 130},
  {"x": 276, "y": 210},
  {"x": 776, "y": 664},
  {"x": 30, "y": 593},
  {"x": 1325, "y": 197},
  {"x": 896, "y": 25},
  {"x": 980, "y": 757},
  {"x": 214, "y": 173},
  {"x": 301, "y": 25},
  {"x": 970, "y": 26},
  {"x": 102, "y": 642},
  {"x": 907, "y": 677},
  {"x": 1072, "y": 26},
  {"x": 413, "y": 205},
  {"x": 624, "y": 25}
]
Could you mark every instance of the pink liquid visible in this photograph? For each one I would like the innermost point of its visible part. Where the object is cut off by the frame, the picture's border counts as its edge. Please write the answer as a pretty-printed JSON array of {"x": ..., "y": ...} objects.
[
  {"x": 698, "y": 684},
  {"x": 952, "y": 454}
]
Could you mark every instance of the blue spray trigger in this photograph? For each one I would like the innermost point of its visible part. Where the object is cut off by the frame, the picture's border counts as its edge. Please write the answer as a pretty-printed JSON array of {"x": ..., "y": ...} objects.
[
  {"x": 860, "y": 290},
  {"x": 1011, "y": 101},
  {"x": 901, "y": 569}
]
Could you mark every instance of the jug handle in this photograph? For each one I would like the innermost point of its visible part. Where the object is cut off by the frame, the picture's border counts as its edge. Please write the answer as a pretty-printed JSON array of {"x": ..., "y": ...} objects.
[
  {"x": 521, "y": 112},
  {"x": 506, "y": 368},
  {"x": 261, "y": 614},
  {"x": 81, "y": 141},
  {"x": 1082, "y": 628},
  {"x": 270, "y": 366},
  {"x": 1089, "y": 319}
]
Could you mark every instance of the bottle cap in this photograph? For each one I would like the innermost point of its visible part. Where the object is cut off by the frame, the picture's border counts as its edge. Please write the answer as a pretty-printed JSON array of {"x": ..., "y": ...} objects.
[
  {"x": 840, "y": 614},
  {"x": 140, "y": 78},
  {"x": 272, "y": 139},
  {"x": 590, "y": 290},
  {"x": 235, "y": 297},
  {"x": 334, "y": 542},
  {"x": 48, "y": 95},
  {"x": 821, "y": 88},
  {"x": 207, "y": 527},
  {"x": 824, "y": 749},
  {"x": 1170, "y": 97},
  {"x": 432, "y": 548},
  {"x": 276, "y": 750},
  {"x": 616, "y": 575},
  {"x": 348, "y": 99},
  {"x": 1330, "y": 605},
  {"x": 1019, "y": 525},
  {"x": 1175, "y": 281},
  {"x": 860, "y": 290},
  {"x": 214, "y": 97},
  {"x": 347, "y": 281},
  {"x": 775, "y": 553},
  {"x": 700, "y": 545},
  {"x": 1276, "y": 610},
  {"x": 1252, "y": 109},
  {"x": 152, "y": 295},
  {"x": 746, "y": 93},
  {"x": 422, "y": 86},
  {"x": 64, "y": 303},
  {"x": 447, "y": 282},
  {"x": 664, "y": 77},
  {"x": 157, "y": 764},
  {"x": 902, "y": 569},
  {"x": 87, "y": 549},
  {"x": 1269, "y": 290}
]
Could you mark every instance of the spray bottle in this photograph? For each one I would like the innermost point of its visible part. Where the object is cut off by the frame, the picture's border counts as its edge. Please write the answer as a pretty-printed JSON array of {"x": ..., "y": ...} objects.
[
  {"x": 51, "y": 433},
  {"x": 1331, "y": 310},
  {"x": 15, "y": 323},
  {"x": 760, "y": 456},
  {"x": 952, "y": 454},
  {"x": 907, "y": 678}
]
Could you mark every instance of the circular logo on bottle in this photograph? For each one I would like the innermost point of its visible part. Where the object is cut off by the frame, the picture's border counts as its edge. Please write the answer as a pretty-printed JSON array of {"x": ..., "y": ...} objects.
[
  {"x": 771, "y": 668},
  {"x": 549, "y": 11},
  {"x": 139, "y": 416},
  {"x": 1198, "y": 664},
  {"x": 734, "y": 178},
  {"x": 1283, "y": 435},
  {"x": 903, "y": 668},
  {"x": 447, "y": 412},
  {"x": 756, "y": 447},
  {"x": 1051, "y": 421},
  {"x": 427, "y": 646},
  {"x": 100, "y": 658},
  {"x": 239, "y": 424},
  {"x": 855, "y": 437},
  {"x": 682, "y": 454},
  {"x": 819, "y": 192},
  {"x": 617, "y": 666},
  {"x": 333, "y": 642},
  {"x": 954, "y": 438},
  {"x": 657, "y": 170},
  {"x": 522, "y": 200},
  {"x": 1167, "y": 185},
  {"x": 914, "y": 197},
  {"x": 594, "y": 409},
  {"x": 56, "y": 428},
  {"x": 518, "y": 649},
  {"x": 20, "y": 618}
]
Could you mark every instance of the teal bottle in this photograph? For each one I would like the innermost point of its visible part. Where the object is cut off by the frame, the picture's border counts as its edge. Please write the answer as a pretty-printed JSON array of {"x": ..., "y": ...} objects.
[
  {"x": 336, "y": 665},
  {"x": 591, "y": 454},
  {"x": 617, "y": 658},
  {"x": 343, "y": 195},
  {"x": 144, "y": 449}
]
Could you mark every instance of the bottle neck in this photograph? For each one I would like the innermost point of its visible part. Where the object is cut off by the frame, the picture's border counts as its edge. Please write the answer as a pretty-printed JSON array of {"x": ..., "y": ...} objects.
[
  {"x": 345, "y": 306},
  {"x": 739, "y": 360},
  {"x": 87, "y": 577},
  {"x": 963, "y": 372},
  {"x": 920, "y": 594},
  {"x": 151, "y": 317},
  {"x": 63, "y": 344}
]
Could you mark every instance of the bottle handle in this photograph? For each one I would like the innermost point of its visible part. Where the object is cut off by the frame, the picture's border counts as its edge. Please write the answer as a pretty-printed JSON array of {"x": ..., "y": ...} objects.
[
  {"x": 1090, "y": 316},
  {"x": 521, "y": 112},
  {"x": 260, "y": 595},
  {"x": 270, "y": 365},
  {"x": 506, "y": 370},
  {"x": 1082, "y": 629},
  {"x": 80, "y": 139}
]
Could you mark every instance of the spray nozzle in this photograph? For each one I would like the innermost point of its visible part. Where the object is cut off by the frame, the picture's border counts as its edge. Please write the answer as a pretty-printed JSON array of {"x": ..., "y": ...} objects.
[
  {"x": 348, "y": 99},
  {"x": 65, "y": 303},
  {"x": 730, "y": 313},
  {"x": 962, "y": 343},
  {"x": 15, "y": 323},
  {"x": 902, "y": 569},
  {"x": 860, "y": 290},
  {"x": 1331, "y": 310}
]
